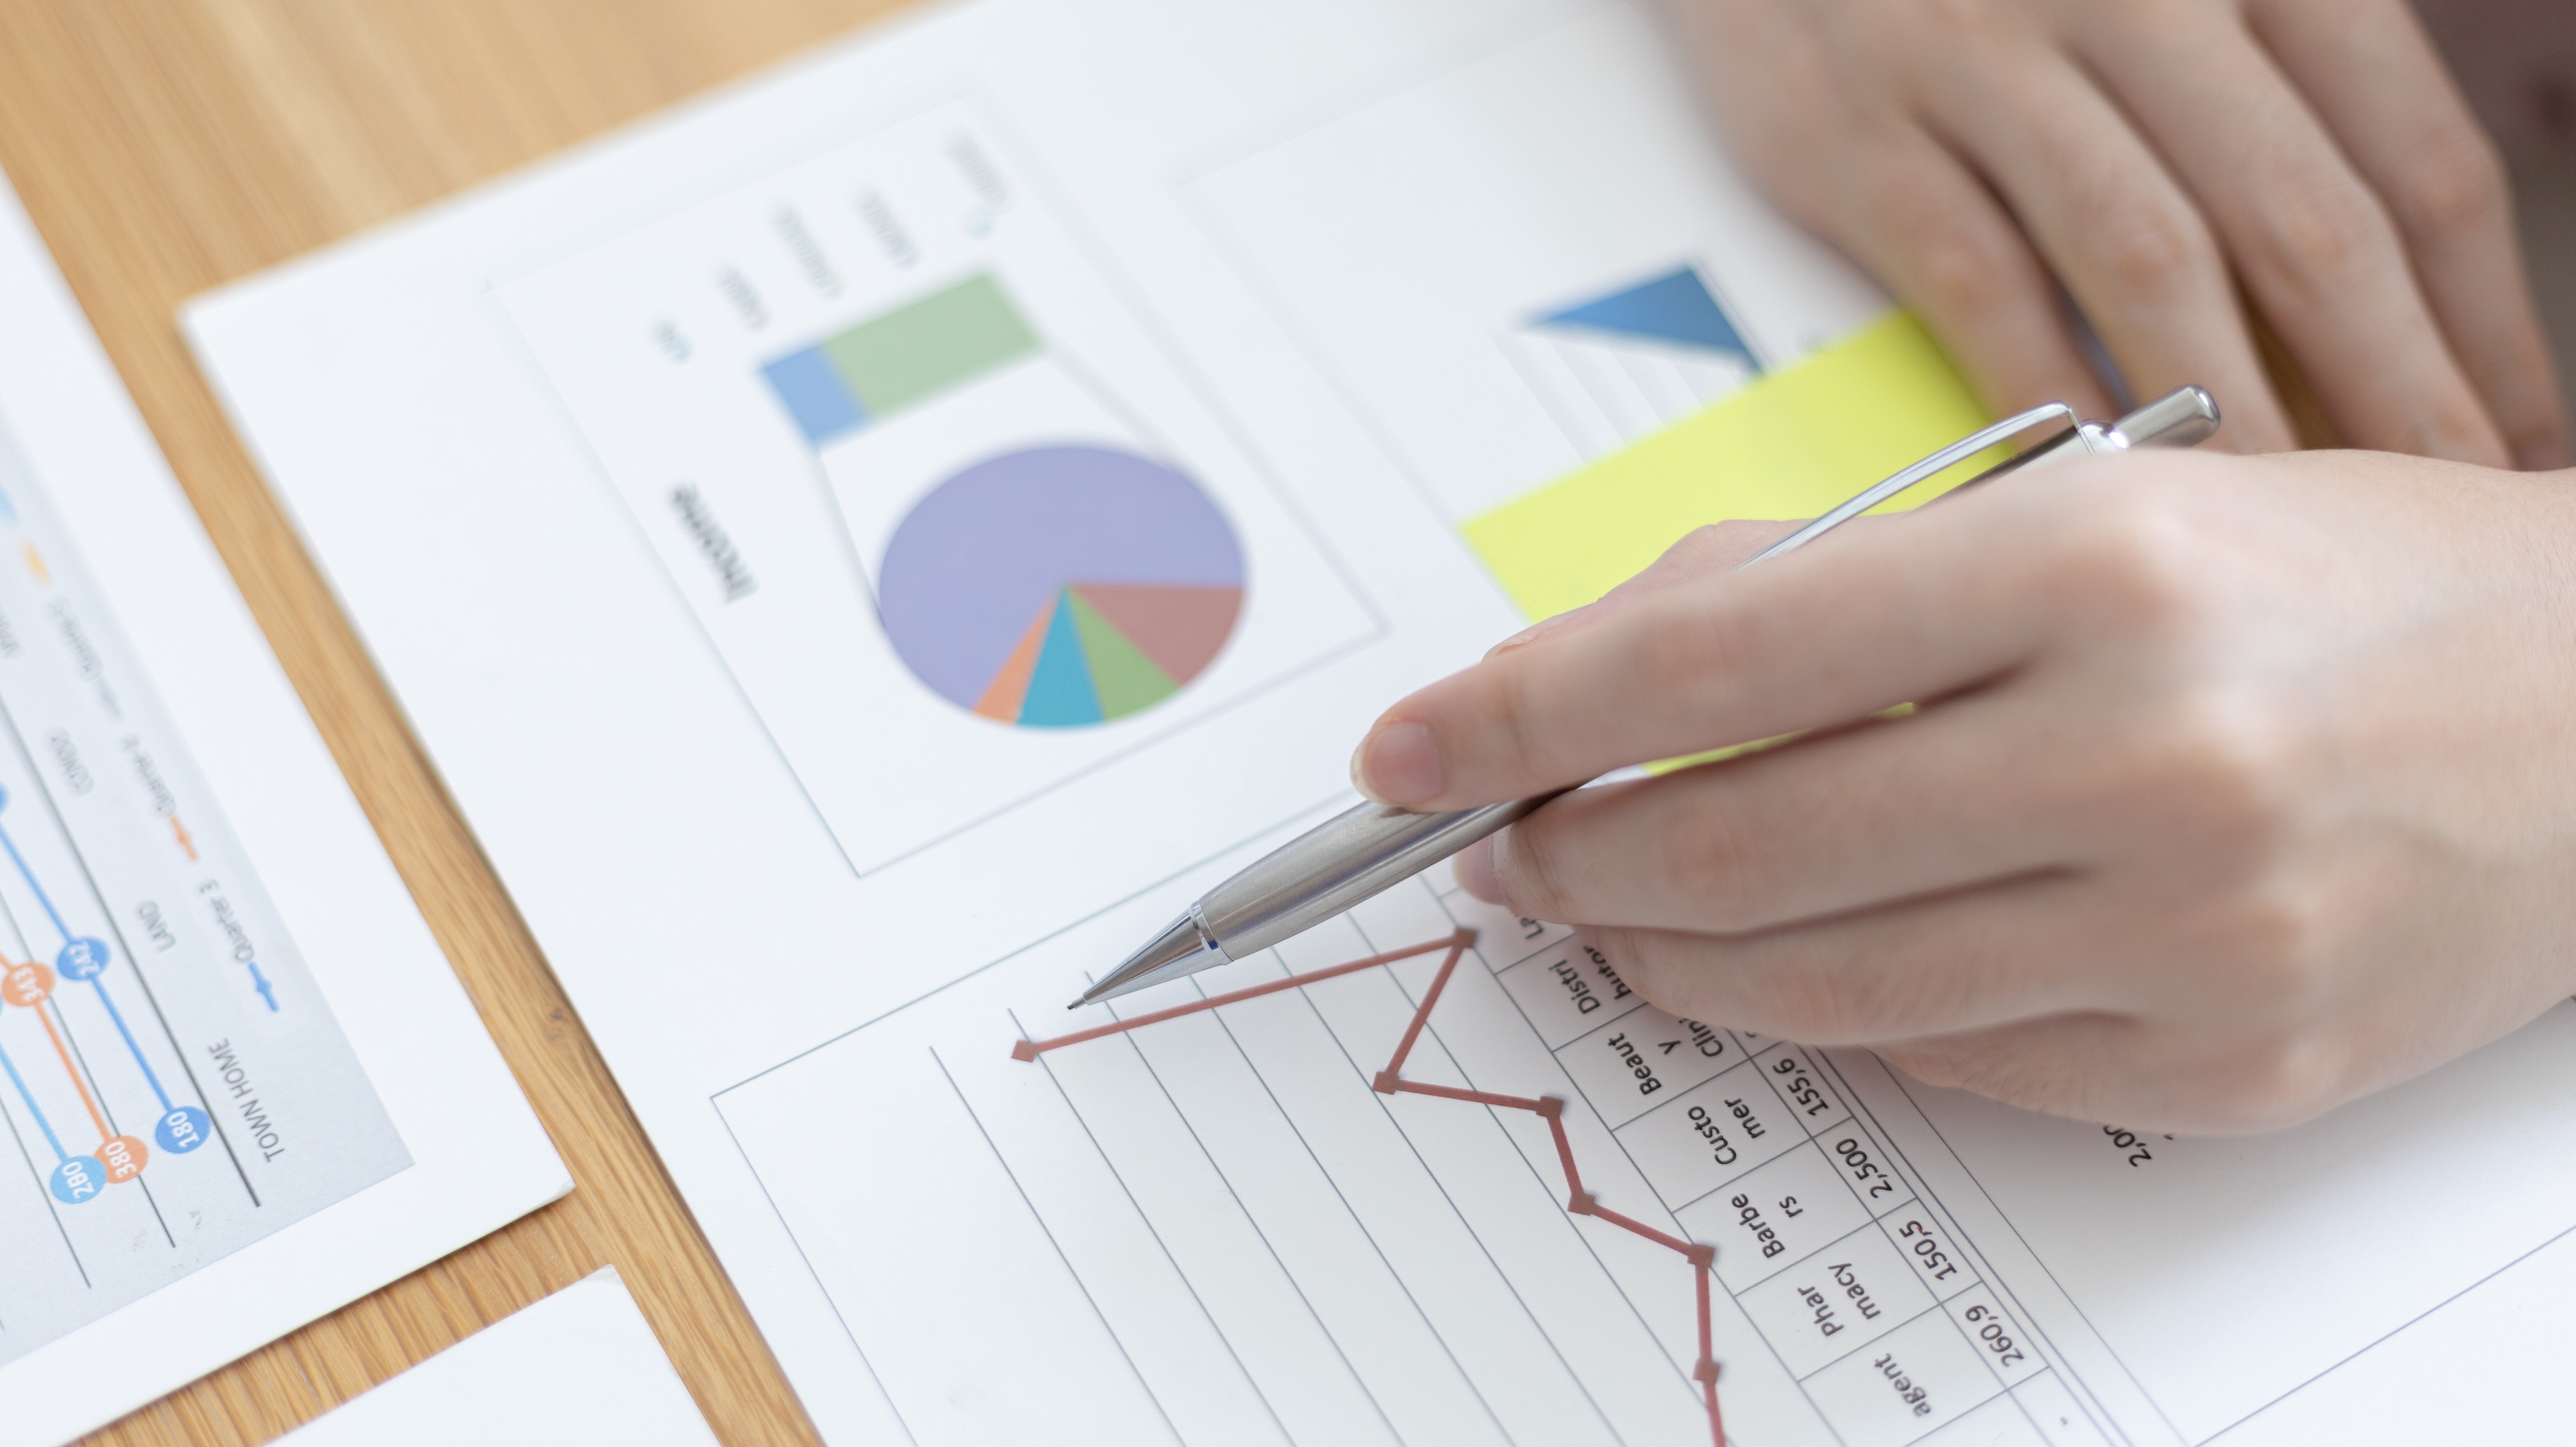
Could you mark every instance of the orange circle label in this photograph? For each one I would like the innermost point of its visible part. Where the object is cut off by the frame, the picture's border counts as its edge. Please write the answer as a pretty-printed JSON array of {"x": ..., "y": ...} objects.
[
  {"x": 26, "y": 984},
  {"x": 123, "y": 1156}
]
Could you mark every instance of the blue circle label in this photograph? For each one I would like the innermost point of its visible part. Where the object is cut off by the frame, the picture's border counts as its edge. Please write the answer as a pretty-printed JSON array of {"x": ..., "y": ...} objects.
[
  {"x": 78, "y": 1179},
  {"x": 182, "y": 1130},
  {"x": 83, "y": 959}
]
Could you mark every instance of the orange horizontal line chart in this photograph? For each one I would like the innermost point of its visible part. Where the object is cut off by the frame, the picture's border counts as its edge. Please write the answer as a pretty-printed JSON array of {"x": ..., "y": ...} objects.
[{"x": 1391, "y": 1081}]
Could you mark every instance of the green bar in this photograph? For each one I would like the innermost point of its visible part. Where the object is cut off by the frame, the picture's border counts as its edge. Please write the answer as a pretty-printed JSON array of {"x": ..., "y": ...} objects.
[{"x": 935, "y": 343}]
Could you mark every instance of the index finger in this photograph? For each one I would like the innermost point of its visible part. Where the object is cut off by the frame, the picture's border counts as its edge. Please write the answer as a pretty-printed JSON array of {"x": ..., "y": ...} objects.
[{"x": 1866, "y": 619}]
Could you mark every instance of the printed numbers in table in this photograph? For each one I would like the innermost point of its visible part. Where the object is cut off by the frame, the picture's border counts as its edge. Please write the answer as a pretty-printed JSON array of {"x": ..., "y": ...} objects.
[
  {"x": 1924, "y": 1244},
  {"x": 1800, "y": 1087},
  {"x": 1998, "y": 1338},
  {"x": 1859, "y": 1159}
]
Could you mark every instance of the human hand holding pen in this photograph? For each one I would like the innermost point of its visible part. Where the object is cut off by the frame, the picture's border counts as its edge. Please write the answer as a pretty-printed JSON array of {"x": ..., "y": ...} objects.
[{"x": 2238, "y": 787}]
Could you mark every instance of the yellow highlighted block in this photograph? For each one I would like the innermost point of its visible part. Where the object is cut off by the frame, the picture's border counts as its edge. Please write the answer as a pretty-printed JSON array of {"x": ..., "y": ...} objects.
[{"x": 1790, "y": 446}]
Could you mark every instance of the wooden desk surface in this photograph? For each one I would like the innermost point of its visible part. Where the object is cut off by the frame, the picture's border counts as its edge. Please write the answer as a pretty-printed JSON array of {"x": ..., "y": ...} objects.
[{"x": 167, "y": 146}]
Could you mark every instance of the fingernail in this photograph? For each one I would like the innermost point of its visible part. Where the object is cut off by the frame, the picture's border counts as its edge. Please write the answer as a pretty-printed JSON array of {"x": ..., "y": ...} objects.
[
  {"x": 2541, "y": 456},
  {"x": 1531, "y": 634},
  {"x": 1517, "y": 639},
  {"x": 1397, "y": 764},
  {"x": 1538, "y": 630},
  {"x": 1475, "y": 868}
]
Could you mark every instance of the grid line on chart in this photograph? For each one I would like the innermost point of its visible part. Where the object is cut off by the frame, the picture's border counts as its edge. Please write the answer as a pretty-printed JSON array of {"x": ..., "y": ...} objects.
[
  {"x": 1876, "y": 1223},
  {"x": 85, "y": 959},
  {"x": 1359, "y": 1223},
  {"x": 1391, "y": 1082},
  {"x": 1853, "y": 1113},
  {"x": 1565, "y": 1152},
  {"x": 1290, "y": 1122},
  {"x": 28, "y": 1098},
  {"x": 1563, "y": 1156},
  {"x": 829, "y": 1301},
  {"x": 1413, "y": 1148},
  {"x": 94, "y": 1096},
  {"x": 1080, "y": 1285},
  {"x": 1156, "y": 1232}
]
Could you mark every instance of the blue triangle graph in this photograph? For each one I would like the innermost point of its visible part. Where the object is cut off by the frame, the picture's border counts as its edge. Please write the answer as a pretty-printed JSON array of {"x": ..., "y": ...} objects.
[{"x": 1673, "y": 308}]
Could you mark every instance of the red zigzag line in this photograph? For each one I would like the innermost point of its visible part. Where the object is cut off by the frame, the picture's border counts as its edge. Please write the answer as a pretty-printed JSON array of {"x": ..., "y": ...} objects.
[{"x": 1391, "y": 1081}]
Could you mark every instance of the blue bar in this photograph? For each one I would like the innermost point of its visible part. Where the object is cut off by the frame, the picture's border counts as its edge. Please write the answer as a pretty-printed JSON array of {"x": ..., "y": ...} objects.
[{"x": 814, "y": 394}]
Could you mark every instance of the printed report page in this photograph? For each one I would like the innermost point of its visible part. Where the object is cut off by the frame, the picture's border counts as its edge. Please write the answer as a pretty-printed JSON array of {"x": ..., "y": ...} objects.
[
  {"x": 868, "y": 547},
  {"x": 581, "y": 1368},
  {"x": 239, "y": 1084}
]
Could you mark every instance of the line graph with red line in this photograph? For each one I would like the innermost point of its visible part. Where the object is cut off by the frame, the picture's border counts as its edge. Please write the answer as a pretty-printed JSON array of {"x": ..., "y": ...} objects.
[
  {"x": 1427, "y": 1174},
  {"x": 1391, "y": 1081}
]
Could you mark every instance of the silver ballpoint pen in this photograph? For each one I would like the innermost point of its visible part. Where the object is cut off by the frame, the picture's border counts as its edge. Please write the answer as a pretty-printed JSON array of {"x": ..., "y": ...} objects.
[{"x": 1366, "y": 850}]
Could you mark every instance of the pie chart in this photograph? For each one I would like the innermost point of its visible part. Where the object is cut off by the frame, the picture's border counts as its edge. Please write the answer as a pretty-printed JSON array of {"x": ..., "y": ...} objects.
[{"x": 1061, "y": 587}]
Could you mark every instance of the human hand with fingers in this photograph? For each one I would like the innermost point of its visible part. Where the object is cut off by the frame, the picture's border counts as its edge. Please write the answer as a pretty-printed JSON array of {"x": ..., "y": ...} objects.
[
  {"x": 2152, "y": 155},
  {"x": 2236, "y": 787}
]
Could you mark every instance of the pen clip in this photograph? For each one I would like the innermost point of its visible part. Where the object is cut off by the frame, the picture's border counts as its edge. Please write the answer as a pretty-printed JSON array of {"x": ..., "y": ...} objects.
[{"x": 1939, "y": 462}]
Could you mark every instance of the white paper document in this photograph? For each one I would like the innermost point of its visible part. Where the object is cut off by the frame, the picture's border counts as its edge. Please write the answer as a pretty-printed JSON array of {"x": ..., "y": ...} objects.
[
  {"x": 868, "y": 547},
  {"x": 579, "y": 1369},
  {"x": 239, "y": 1084}
]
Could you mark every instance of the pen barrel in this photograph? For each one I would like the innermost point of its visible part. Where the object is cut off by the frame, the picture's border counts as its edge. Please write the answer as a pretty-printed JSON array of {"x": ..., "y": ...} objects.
[
  {"x": 1351, "y": 857},
  {"x": 1364, "y": 851}
]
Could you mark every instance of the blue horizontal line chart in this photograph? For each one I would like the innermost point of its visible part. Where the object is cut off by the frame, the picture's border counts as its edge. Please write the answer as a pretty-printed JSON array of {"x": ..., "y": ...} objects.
[
  {"x": 85, "y": 960},
  {"x": 174, "y": 1087}
]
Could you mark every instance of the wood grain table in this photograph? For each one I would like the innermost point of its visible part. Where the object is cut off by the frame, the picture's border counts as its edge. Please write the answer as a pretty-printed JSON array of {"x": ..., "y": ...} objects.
[{"x": 167, "y": 146}]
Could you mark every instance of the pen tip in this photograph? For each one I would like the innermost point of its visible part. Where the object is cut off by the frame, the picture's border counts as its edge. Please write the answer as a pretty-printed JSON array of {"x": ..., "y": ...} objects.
[{"x": 1182, "y": 948}]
